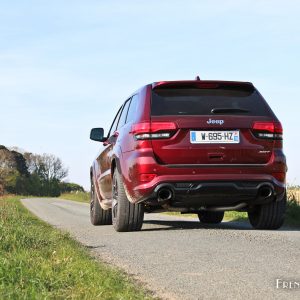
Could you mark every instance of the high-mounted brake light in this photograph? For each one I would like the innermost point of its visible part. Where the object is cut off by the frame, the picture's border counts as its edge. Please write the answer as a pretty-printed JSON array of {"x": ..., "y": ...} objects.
[
  {"x": 154, "y": 130},
  {"x": 268, "y": 130}
]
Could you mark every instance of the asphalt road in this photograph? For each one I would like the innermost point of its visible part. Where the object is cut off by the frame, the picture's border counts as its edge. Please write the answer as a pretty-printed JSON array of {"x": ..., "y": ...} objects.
[{"x": 179, "y": 258}]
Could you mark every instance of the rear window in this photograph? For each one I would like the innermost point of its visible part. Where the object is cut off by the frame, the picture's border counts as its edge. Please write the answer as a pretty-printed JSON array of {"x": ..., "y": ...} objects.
[{"x": 193, "y": 101}]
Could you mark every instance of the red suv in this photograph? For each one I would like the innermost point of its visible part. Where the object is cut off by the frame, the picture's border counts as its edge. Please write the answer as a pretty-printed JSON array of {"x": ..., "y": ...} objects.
[{"x": 194, "y": 146}]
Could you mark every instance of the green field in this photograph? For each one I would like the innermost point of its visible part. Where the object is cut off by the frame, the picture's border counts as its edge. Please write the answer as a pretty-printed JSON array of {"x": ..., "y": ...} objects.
[{"x": 40, "y": 262}]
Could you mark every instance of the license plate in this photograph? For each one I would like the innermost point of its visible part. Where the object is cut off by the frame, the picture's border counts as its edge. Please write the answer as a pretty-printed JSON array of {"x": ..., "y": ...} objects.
[{"x": 215, "y": 137}]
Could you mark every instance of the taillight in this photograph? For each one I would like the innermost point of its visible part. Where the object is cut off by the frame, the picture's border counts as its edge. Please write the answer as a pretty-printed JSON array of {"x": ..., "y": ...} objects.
[
  {"x": 153, "y": 130},
  {"x": 267, "y": 130}
]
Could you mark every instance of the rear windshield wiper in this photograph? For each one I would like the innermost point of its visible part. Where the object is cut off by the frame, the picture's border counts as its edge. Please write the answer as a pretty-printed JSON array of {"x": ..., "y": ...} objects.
[{"x": 228, "y": 110}]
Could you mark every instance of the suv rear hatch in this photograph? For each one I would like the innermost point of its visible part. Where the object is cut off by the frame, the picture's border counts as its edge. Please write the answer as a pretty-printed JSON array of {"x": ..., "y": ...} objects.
[{"x": 211, "y": 123}]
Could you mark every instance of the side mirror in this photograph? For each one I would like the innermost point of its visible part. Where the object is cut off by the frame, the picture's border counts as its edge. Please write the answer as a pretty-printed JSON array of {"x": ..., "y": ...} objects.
[{"x": 97, "y": 134}]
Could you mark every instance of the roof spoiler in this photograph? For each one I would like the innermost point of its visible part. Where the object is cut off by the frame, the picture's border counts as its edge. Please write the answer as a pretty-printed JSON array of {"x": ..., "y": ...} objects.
[{"x": 205, "y": 84}]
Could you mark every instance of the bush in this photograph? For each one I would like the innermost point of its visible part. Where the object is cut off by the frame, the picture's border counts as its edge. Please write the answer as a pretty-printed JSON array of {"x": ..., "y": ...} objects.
[{"x": 69, "y": 187}]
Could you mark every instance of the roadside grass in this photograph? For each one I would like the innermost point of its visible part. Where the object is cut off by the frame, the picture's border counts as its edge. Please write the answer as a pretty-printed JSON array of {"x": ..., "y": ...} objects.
[
  {"x": 40, "y": 262},
  {"x": 293, "y": 210},
  {"x": 235, "y": 216},
  {"x": 229, "y": 215},
  {"x": 76, "y": 196}
]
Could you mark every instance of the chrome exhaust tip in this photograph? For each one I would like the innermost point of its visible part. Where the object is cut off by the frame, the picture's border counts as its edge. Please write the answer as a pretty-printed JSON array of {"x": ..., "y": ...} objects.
[
  {"x": 164, "y": 195},
  {"x": 265, "y": 192}
]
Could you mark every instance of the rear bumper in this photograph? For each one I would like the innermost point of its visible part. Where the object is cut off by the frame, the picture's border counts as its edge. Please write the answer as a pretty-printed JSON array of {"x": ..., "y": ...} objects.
[
  {"x": 197, "y": 186},
  {"x": 222, "y": 193}
]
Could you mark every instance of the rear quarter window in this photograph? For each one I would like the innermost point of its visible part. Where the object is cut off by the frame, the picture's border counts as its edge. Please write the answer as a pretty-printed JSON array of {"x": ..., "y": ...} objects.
[
  {"x": 124, "y": 114},
  {"x": 193, "y": 101},
  {"x": 133, "y": 109}
]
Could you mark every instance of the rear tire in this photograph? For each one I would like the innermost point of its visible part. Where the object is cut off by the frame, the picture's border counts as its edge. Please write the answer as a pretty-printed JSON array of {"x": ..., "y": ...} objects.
[
  {"x": 211, "y": 217},
  {"x": 98, "y": 215},
  {"x": 126, "y": 216},
  {"x": 268, "y": 216}
]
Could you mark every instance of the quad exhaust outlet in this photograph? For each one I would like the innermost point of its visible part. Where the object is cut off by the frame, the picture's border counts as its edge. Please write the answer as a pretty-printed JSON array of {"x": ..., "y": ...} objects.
[
  {"x": 265, "y": 192},
  {"x": 164, "y": 196}
]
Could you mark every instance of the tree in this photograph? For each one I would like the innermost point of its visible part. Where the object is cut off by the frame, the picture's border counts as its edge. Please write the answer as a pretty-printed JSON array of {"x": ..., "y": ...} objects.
[
  {"x": 47, "y": 166},
  {"x": 48, "y": 171},
  {"x": 8, "y": 170},
  {"x": 7, "y": 161},
  {"x": 20, "y": 163},
  {"x": 30, "y": 174}
]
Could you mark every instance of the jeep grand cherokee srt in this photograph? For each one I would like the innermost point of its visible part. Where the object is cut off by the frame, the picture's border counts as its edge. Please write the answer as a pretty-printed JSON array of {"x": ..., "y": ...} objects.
[{"x": 194, "y": 146}]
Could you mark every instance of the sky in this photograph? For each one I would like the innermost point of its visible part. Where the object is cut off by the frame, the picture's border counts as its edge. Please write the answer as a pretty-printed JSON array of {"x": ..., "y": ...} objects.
[{"x": 67, "y": 66}]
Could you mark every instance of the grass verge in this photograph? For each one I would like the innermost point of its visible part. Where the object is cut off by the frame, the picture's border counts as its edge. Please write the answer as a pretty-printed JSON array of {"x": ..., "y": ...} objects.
[
  {"x": 79, "y": 196},
  {"x": 229, "y": 215},
  {"x": 40, "y": 262},
  {"x": 292, "y": 216}
]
